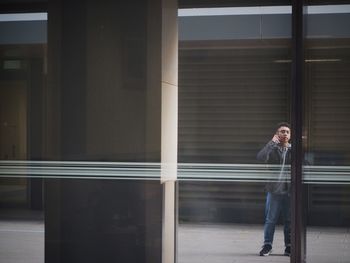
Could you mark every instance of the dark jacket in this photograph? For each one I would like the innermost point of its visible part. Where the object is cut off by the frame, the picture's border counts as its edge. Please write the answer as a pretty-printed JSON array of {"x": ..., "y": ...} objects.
[{"x": 272, "y": 153}]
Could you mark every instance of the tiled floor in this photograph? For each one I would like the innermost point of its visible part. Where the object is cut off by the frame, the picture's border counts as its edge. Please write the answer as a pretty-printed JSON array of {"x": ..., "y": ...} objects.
[
  {"x": 22, "y": 241},
  {"x": 225, "y": 244},
  {"x": 241, "y": 243}
]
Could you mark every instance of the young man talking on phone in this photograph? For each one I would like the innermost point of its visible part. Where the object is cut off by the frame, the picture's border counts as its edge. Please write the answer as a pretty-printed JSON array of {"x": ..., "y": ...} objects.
[{"x": 277, "y": 152}]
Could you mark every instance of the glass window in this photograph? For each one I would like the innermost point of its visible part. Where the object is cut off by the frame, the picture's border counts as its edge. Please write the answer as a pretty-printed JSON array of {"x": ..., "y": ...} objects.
[
  {"x": 326, "y": 140},
  {"x": 22, "y": 88},
  {"x": 234, "y": 85}
]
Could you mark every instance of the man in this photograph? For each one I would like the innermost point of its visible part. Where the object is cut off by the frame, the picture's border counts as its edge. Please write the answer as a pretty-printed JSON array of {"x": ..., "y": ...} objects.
[{"x": 277, "y": 151}]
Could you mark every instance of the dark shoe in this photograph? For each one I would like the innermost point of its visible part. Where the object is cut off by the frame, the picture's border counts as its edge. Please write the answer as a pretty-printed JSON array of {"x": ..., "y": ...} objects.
[
  {"x": 266, "y": 250},
  {"x": 287, "y": 251}
]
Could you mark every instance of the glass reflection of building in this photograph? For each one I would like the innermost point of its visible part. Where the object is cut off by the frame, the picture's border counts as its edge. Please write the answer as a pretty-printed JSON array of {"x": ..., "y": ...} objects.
[{"x": 89, "y": 85}]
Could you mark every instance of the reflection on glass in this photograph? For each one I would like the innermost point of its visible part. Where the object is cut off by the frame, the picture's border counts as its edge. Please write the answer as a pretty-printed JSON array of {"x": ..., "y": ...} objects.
[
  {"x": 21, "y": 90},
  {"x": 234, "y": 81},
  {"x": 22, "y": 84},
  {"x": 277, "y": 151},
  {"x": 92, "y": 109},
  {"x": 13, "y": 131},
  {"x": 327, "y": 125}
]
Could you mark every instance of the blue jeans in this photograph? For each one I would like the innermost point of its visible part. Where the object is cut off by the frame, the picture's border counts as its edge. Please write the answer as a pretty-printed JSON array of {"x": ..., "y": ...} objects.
[{"x": 275, "y": 205}]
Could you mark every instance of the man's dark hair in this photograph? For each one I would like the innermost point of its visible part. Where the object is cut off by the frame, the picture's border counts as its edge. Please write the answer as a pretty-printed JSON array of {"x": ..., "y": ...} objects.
[{"x": 282, "y": 124}]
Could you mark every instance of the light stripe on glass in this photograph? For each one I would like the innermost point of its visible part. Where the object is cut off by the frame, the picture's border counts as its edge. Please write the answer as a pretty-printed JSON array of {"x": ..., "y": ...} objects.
[
  {"x": 152, "y": 171},
  {"x": 262, "y": 10},
  {"x": 23, "y": 17}
]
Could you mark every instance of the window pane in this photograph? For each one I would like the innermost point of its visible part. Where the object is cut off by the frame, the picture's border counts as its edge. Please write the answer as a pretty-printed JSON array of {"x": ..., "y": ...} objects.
[
  {"x": 22, "y": 85},
  {"x": 327, "y": 71},
  {"x": 234, "y": 83}
]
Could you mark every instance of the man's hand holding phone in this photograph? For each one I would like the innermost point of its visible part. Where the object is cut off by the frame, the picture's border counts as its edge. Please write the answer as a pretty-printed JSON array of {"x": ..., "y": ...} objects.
[{"x": 276, "y": 139}]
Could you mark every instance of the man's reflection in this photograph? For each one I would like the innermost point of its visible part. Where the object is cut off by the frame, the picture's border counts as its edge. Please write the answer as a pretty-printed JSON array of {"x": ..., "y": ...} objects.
[{"x": 277, "y": 151}]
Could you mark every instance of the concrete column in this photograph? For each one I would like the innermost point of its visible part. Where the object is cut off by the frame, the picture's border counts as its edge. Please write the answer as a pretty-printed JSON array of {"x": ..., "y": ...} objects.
[{"x": 169, "y": 126}]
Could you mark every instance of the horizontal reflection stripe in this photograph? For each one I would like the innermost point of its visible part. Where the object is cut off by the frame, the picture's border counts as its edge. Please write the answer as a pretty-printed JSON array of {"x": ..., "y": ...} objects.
[
  {"x": 79, "y": 170},
  {"x": 152, "y": 171}
]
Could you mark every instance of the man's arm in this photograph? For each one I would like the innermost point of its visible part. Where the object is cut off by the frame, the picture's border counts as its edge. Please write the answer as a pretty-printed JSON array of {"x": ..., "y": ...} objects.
[{"x": 264, "y": 154}]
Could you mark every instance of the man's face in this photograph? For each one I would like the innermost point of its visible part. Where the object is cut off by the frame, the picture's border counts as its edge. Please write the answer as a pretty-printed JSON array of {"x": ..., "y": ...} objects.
[{"x": 283, "y": 134}]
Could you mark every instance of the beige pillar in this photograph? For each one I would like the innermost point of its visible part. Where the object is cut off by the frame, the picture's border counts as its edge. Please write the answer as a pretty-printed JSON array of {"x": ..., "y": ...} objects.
[{"x": 169, "y": 125}]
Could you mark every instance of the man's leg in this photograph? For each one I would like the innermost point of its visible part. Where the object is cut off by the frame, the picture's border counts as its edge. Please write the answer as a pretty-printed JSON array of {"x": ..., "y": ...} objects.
[
  {"x": 286, "y": 219},
  {"x": 272, "y": 211}
]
